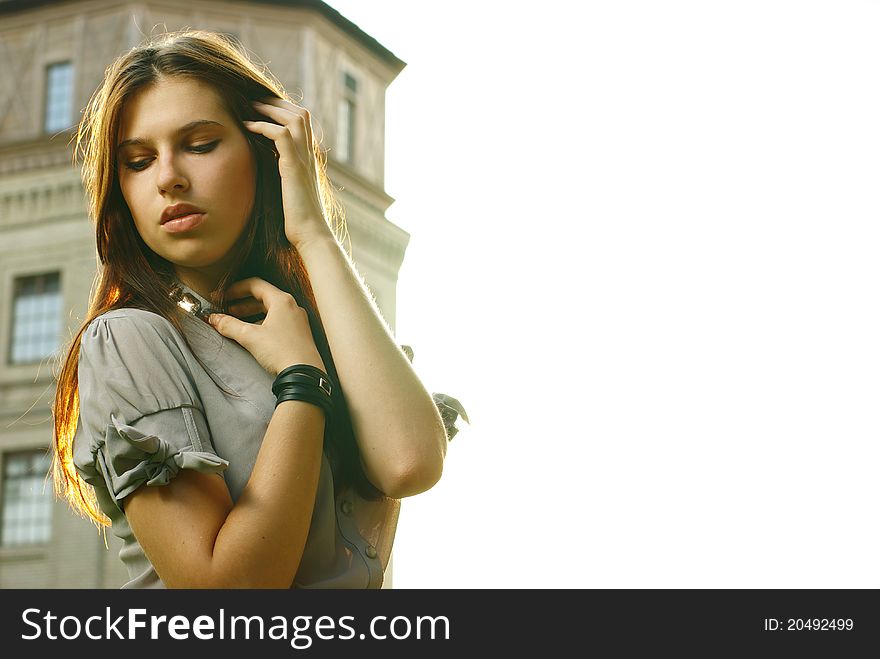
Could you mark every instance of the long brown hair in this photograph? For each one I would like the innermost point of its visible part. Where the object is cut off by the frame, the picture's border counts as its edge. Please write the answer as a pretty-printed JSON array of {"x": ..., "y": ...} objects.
[{"x": 130, "y": 274}]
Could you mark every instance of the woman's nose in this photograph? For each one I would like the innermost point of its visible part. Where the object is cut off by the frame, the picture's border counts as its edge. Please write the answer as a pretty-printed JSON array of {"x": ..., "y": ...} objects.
[{"x": 171, "y": 176}]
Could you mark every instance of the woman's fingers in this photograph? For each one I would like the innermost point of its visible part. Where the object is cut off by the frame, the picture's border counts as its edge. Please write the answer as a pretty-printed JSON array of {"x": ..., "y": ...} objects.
[
  {"x": 295, "y": 118},
  {"x": 292, "y": 133},
  {"x": 291, "y": 156},
  {"x": 230, "y": 327}
]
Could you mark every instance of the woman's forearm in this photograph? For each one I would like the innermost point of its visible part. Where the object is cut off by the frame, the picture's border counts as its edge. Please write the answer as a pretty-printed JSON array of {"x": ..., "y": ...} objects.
[
  {"x": 261, "y": 543},
  {"x": 398, "y": 428}
]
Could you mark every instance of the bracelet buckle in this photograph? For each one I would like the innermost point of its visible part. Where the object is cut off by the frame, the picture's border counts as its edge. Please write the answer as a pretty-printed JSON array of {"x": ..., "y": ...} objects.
[{"x": 324, "y": 385}]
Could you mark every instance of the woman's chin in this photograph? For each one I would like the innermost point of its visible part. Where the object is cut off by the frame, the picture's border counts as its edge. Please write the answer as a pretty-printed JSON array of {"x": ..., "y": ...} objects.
[{"x": 193, "y": 260}]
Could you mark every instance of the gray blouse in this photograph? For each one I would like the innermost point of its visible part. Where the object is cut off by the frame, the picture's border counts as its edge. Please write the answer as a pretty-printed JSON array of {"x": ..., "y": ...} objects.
[{"x": 148, "y": 409}]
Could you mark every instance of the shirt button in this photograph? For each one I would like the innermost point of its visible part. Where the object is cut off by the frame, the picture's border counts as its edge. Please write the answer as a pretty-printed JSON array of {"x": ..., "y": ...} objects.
[
  {"x": 371, "y": 551},
  {"x": 346, "y": 507}
]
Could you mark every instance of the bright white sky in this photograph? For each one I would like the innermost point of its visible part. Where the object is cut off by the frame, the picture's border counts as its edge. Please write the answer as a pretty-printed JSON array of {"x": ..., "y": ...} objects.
[{"x": 644, "y": 256}]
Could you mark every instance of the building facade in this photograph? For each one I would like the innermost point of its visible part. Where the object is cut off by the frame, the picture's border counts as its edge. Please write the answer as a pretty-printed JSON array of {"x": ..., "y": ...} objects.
[{"x": 52, "y": 57}]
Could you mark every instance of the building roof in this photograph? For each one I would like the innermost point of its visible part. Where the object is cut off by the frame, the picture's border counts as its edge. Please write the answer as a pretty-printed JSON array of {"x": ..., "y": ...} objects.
[{"x": 9, "y": 6}]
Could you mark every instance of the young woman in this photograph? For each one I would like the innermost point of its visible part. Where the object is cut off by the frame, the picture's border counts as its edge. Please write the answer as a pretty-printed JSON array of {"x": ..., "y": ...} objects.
[{"x": 267, "y": 444}]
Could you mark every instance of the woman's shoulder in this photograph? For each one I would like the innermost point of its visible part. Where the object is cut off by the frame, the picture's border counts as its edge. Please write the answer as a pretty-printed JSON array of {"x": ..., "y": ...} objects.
[
  {"x": 131, "y": 320},
  {"x": 134, "y": 315},
  {"x": 132, "y": 362},
  {"x": 133, "y": 331}
]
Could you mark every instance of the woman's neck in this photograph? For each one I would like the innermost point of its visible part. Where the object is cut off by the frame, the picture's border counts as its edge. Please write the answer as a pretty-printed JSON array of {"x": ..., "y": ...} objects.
[{"x": 204, "y": 280}]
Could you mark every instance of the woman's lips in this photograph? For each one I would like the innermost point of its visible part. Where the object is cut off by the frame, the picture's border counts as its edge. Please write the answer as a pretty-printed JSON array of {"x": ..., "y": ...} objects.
[{"x": 185, "y": 223}]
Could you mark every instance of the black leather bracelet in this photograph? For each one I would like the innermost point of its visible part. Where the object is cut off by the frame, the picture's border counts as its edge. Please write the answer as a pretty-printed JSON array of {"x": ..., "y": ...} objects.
[
  {"x": 302, "y": 380},
  {"x": 303, "y": 368},
  {"x": 320, "y": 378},
  {"x": 308, "y": 395},
  {"x": 310, "y": 389},
  {"x": 304, "y": 394}
]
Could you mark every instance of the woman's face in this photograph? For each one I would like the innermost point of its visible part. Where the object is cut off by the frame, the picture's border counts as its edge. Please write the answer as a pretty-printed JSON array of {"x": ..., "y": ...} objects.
[{"x": 207, "y": 165}]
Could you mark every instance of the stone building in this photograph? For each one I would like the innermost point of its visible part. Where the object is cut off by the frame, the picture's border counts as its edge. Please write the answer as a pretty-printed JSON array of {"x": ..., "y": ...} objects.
[{"x": 52, "y": 56}]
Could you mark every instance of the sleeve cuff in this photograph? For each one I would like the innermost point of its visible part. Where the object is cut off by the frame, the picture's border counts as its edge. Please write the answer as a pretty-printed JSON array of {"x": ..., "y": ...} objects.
[{"x": 135, "y": 454}]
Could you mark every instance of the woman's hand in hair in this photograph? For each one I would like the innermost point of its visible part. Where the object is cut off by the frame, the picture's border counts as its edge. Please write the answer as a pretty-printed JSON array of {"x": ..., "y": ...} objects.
[
  {"x": 304, "y": 219},
  {"x": 284, "y": 338}
]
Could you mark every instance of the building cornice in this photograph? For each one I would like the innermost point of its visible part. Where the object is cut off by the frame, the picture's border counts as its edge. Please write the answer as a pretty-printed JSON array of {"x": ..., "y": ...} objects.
[
  {"x": 380, "y": 51},
  {"x": 345, "y": 177},
  {"x": 37, "y": 153}
]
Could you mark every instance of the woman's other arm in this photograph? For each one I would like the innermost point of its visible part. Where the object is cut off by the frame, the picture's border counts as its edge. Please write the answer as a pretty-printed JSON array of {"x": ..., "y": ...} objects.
[{"x": 398, "y": 428}]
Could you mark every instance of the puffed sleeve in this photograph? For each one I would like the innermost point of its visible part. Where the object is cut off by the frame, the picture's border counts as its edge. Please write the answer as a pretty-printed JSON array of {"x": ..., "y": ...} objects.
[{"x": 140, "y": 420}]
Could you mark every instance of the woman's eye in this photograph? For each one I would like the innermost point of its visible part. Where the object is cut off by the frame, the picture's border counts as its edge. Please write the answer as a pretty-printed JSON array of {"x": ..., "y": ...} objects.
[
  {"x": 204, "y": 148},
  {"x": 136, "y": 166},
  {"x": 140, "y": 165}
]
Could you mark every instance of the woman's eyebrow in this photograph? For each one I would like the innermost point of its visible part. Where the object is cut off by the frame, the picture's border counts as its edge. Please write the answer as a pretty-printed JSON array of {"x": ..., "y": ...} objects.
[{"x": 179, "y": 131}]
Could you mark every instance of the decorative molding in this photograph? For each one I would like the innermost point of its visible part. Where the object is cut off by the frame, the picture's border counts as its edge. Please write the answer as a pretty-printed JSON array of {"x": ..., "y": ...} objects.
[
  {"x": 35, "y": 154},
  {"x": 52, "y": 194},
  {"x": 342, "y": 176}
]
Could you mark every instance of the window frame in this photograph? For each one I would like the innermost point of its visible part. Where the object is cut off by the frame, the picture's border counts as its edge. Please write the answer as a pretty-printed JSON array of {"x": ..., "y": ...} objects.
[
  {"x": 47, "y": 68},
  {"x": 13, "y": 298},
  {"x": 349, "y": 97},
  {"x": 47, "y": 492}
]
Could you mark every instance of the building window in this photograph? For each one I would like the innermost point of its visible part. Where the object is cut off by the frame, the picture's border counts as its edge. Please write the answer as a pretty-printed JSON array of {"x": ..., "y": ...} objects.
[
  {"x": 36, "y": 318},
  {"x": 59, "y": 97},
  {"x": 27, "y": 499},
  {"x": 345, "y": 136}
]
